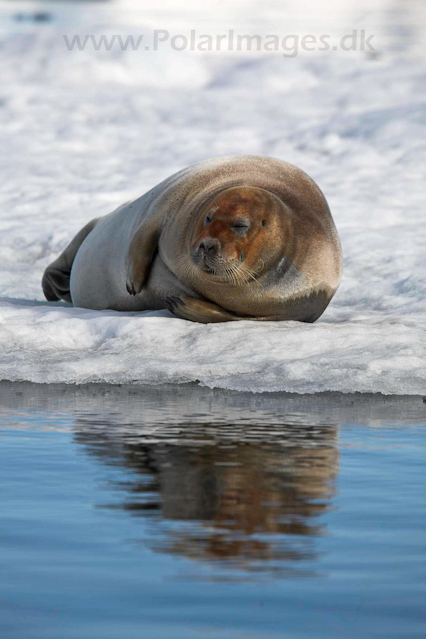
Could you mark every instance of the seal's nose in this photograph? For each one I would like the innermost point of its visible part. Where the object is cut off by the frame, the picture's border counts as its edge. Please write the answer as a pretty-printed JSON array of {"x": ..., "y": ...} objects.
[{"x": 210, "y": 246}]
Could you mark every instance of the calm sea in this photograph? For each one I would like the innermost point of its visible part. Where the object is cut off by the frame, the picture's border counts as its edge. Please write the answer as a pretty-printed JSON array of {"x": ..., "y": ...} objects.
[{"x": 179, "y": 512}]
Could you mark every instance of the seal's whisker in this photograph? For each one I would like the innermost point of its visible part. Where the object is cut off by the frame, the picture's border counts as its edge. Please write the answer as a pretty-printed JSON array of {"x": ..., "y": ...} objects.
[
  {"x": 243, "y": 273},
  {"x": 234, "y": 275},
  {"x": 224, "y": 271},
  {"x": 262, "y": 267},
  {"x": 185, "y": 267}
]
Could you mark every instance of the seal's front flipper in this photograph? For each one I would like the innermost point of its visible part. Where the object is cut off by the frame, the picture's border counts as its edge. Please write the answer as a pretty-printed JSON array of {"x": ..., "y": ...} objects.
[
  {"x": 141, "y": 253},
  {"x": 196, "y": 310},
  {"x": 56, "y": 277}
]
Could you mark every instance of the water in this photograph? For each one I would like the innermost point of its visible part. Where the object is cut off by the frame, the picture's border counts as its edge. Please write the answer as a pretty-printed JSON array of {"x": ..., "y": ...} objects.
[{"x": 171, "y": 513}]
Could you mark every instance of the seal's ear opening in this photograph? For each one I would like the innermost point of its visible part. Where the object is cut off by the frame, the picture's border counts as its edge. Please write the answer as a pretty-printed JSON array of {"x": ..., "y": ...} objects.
[{"x": 140, "y": 255}]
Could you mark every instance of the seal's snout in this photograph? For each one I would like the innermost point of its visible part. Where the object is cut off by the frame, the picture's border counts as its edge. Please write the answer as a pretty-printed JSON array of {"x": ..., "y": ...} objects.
[{"x": 210, "y": 246}]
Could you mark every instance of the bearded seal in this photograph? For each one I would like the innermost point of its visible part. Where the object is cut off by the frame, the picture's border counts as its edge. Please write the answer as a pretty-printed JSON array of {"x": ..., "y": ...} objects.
[{"x": 233, "y": 238}]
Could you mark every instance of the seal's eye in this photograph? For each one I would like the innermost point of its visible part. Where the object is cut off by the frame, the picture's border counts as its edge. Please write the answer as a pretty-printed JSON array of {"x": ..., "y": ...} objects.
[
  {"x": 263, "y": 222},
  {"x": 208, "y": 219},
  {"x": 240, "y": 227}
]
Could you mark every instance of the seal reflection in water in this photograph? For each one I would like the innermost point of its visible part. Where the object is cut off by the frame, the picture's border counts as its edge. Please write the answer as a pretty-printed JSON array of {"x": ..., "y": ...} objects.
[
  {"x": 251, "y": 500},
  {"x": 233, "y": 238}
]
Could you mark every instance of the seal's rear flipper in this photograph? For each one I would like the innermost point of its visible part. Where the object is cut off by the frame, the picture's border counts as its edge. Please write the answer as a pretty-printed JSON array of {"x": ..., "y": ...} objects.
[
  {"x": 56, "y": 277},
  {"x": 56, "y": 285}
]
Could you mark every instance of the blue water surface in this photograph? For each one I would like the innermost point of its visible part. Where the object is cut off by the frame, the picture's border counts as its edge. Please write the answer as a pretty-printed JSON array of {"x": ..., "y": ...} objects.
[{"x": 184, "y": 512}]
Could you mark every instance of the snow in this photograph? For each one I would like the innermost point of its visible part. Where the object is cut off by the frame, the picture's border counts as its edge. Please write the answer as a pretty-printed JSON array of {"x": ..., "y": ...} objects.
[{"x": 83, "y": 131}]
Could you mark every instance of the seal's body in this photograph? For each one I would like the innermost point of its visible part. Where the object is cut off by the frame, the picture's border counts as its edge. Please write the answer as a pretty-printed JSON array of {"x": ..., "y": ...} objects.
[{"x": 242, "y": 237}]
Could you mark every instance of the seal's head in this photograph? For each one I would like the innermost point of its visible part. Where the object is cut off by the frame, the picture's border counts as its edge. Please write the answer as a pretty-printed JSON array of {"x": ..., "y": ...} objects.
[{"x": 236, "y": 234}]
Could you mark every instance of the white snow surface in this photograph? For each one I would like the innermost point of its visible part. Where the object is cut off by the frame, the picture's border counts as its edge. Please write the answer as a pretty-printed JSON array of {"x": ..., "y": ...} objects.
[{"x": 83, "y": 131}]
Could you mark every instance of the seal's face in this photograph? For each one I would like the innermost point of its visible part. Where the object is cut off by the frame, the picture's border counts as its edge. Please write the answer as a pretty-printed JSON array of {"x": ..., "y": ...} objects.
[{"x": 232, "y": 232}]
